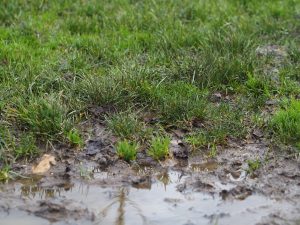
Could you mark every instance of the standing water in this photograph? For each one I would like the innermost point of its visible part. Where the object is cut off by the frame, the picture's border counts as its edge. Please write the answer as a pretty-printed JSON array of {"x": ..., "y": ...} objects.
[{"x": 163, "y": 201}]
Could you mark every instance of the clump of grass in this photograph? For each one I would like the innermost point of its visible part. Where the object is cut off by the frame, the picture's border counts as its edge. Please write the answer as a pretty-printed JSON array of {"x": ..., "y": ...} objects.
[
  {"x": 159, "y": 148},
  {"x": 258, "y": 89},
  {"x": 253, "y": 165},
  {"x": 95, "y": 89},
  {"x": 206, "y": 138},
  {"x": 213, "y": 151},
  {"x": 176, "y": 101},
  {"x": 127, "y": 126},
  {"x": 4, "y": 174},
  {"x": 45, "y": 116},
  {"x": 124, "y": 125},
  {"x": 74, "y": 138},
  {"x": 223, "y": 122},
  {"x": 7, "y": 144},
  {"x": 257, "y": 120},
  {"x": 224, "y": 59},
  {"x": 196, "y": 140},
  {"x": 26, "y": 147},
  {"x": 286, "y": 123},
  {"x": 127, "y": 150},
  {"x": 257, "y": 86}
]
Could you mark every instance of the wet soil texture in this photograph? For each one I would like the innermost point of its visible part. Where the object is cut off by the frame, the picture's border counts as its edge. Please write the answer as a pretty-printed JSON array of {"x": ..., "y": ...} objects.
[{"x": 93, "y": 186}]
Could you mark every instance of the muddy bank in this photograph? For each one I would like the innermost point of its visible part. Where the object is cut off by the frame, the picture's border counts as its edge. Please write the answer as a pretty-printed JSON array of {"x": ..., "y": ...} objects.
[{"x": 93, "y": 186}]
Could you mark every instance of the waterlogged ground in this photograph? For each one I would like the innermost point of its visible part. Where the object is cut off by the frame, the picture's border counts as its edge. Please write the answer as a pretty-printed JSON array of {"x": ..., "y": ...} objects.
[
  {"x": 220, "y": 78},
  {"x": 197, "y": 190},
  {"x": 159, "y": 203}
]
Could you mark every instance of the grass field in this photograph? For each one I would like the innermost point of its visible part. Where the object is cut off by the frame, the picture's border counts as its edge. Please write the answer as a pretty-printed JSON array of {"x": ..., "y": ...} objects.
[{"x": 184, "y": 62}]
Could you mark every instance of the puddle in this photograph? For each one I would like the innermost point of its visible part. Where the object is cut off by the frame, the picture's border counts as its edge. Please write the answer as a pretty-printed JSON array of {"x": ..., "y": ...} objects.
[
  {"x": 159, "y": 202},
  {"x": 206, "y": 166}
]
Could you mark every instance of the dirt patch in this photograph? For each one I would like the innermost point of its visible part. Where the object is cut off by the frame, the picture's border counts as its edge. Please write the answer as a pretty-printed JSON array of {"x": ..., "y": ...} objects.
[{"x": 275, "y": 57}]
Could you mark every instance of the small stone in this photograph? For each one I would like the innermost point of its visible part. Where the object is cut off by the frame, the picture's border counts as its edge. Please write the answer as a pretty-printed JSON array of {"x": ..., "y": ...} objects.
[
  {"x": 257, "y": 133},
  {"x": 102, "y": 161},
  {"x": 216, "y": 97},
  {"x": 179, "y": 149},
  {"x": 272, "y": 102}
]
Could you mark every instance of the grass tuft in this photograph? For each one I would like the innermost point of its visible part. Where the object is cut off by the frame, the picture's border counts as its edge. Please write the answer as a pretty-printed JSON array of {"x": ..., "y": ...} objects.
[
  {"x": 223, "y": 122},
  {"x": 286, "y": 123},
  {"x": 26, "y": 147},
  {"x": 127, "y": 150},
  {"x": 127, "y": 125},
  {"x": 159, "y": 148},
  {"x": 45, "y": 116},
  {"x": 4, "y": 174},
  {"x": 74, "y": 138},
  {"x": 253, "y": 165}
]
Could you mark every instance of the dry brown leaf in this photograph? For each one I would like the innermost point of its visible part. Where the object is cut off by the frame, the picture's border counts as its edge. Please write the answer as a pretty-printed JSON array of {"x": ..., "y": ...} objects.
[{"x": 44, "y": 165}]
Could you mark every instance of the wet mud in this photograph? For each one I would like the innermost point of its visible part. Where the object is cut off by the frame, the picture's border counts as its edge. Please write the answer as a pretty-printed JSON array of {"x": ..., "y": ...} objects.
[{"x": 93, "y": 186}]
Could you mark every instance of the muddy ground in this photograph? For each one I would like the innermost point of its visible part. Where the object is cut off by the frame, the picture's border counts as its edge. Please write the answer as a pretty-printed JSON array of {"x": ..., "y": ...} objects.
[{"x": 93, "y": 186}]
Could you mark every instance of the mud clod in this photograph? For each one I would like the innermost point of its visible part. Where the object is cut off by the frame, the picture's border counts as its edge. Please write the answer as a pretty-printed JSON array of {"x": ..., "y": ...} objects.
[
  {"x": 144, "y": 160},
  {"x": 56, "y": 182},
  {"x": 100, "y": 111},
  {"x": 239, "y": 192},
  {"x": 93, "y": 147},
  {"x": 60, "y": 211},
  {"x": 143, "y": 182},
  {"x": 179, "y": 149},
  {"x": 201, "y": 186}
]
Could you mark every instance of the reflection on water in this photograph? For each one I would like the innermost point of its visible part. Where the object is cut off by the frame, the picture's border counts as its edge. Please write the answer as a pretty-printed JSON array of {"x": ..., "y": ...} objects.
[
  {"x": 206, "y": 166},
  {"x": 121, "y": 209},
  {"x": 34, "y": 191},
  {"x": 30, "y": 188},
  {"x": 121, "y": 200},
  {"x": 164, "y": 178},
  {"x": 161, "y": 203}
]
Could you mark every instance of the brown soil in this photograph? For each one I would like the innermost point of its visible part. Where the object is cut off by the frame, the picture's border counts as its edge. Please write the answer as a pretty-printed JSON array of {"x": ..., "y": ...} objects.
[{"x": 94, "y": 186}]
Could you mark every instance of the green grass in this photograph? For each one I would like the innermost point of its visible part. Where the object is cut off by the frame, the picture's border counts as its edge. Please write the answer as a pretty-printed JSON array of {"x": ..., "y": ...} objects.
[
  {"x": 4, "y": 174},
  {"x": 212, "y": 151},
  {"x": 45, "y": 116},
  {"x": 7, "y": 144},
  {"x": 127, "y": 150},
  {"x": 176, "y": 102},
  {"x": 223, "y": 122},
  {"x": 159, "y": 148},
  {"x": 258, "y": 88},
  {"x": 127, "y": 125},
  {"x": 165, "y": 58},
  {"x": 26, "y": 147},
  {"x": 253, "y": 165},
  {"x": 75, "y": 138},
  {"x": 286, "y": 123}
]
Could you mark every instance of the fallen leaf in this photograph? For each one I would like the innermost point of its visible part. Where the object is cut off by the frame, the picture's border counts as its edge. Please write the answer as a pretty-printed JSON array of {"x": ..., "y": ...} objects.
[{"x": 44, "y": 165}]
